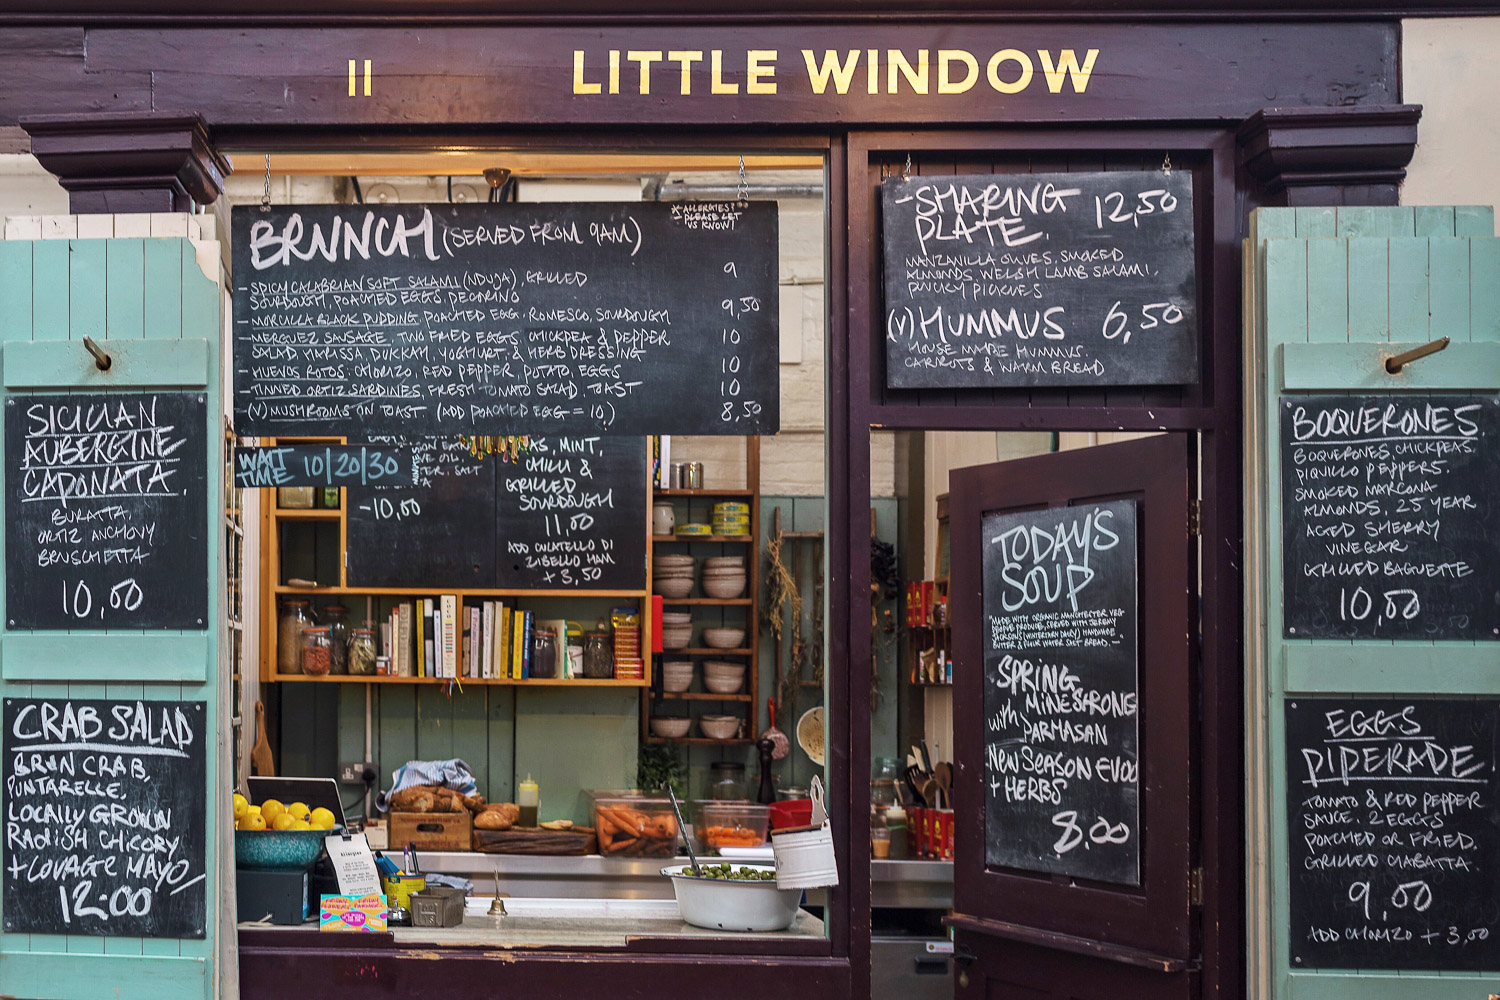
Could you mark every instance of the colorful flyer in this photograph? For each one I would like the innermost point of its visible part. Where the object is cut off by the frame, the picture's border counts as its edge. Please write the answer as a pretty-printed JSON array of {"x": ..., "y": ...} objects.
[{"x": 352, "y": 913}]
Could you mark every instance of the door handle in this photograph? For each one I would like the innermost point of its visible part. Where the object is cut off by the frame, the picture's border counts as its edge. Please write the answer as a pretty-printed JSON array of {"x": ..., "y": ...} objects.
[{"x": 964, "y": 955}]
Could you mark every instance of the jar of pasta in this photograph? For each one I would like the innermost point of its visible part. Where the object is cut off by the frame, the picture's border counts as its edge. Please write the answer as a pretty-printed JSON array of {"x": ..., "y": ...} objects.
[{"x": 294, "y": 618}]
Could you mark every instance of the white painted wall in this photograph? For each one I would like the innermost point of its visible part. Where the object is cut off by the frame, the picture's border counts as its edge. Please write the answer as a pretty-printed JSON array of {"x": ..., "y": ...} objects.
[
  {"x": 27, "y": 189},
  {"x": 1449, "y": 66}
]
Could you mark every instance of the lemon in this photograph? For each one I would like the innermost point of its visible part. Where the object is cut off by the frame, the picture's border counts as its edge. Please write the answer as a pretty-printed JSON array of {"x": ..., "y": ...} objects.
[
  {"x": 301, "y": 824},
  {"x": 241, "y": 805},
  {"x": 270, "y": 808},
  {"x": 254, "y": 821},
  {"x": 321, "y": 819},
  {"x": 283, "y": 821},
  {"x": 253, "y": 811},
  {"x": 298, "y": 810}
]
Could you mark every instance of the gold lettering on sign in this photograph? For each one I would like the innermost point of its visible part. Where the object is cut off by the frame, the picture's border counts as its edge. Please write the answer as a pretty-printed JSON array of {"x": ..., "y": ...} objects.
[{"x": 956, "y": 71}]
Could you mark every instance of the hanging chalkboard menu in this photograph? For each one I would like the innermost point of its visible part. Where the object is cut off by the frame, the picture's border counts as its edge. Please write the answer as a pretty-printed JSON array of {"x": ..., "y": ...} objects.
[
  {"x": 1060, "y": 691},
  {"x": 104, "y": 817},
  {"x": 1393, "y": 830},
  {"x": 568, "y": 513},
  {"x": 322, "y": 465},
  {"x": 1391, "y": 517},
  {"x": 106, "y": 511},
  {"x": 1005, "y": 280},
  {"x": 626, "y": 319}
]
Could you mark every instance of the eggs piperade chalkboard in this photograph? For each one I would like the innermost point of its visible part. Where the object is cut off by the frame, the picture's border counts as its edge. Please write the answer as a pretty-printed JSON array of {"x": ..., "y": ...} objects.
[
  {"x": 621, "y": 319},
  {"x": 1020, "y": 280},
  {"x": 1060, "y": 691},
  {"x": 1393, "y": 833},
  {"x": 106, "y": 511},
  {"x": 104, "y": 817},
  {"x": 570, "y": 513},
  {"x": 1391, "y": 517}
]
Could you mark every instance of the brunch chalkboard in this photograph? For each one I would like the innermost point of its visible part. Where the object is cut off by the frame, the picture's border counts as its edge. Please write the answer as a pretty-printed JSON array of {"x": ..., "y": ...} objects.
[
  {"x": 104, "y": 817},
  {"x": 106, "y": 511},
  {"x": 626, "y": 319},
  {"x": 567, "y": 512},
  {"x": 1391, "y": 517},
  {"x": 1004, "y": 280},
  {"x": 322, "y": 465},
  {"x": 1393, "y": 830},
  {"x": 1060, "y": 691}
]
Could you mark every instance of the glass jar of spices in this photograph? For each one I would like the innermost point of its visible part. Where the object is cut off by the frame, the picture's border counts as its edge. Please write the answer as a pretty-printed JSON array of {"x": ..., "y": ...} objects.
[
  {"x": 294, "y": 618},
  {"x": 315, "y": 656},
  {"x": 337, "y": 618},
  {"x": 598, "y": 655},
  {"x": 362, "y": 652}
]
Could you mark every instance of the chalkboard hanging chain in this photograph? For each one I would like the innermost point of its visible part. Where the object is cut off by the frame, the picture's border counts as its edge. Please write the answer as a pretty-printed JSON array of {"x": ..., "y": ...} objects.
[
  {"x": 744, "y": 185},
  {"x": 906, "y": 170},
  {"x": 265, "y": 195},
  {"x": 1166, "y": 164}
]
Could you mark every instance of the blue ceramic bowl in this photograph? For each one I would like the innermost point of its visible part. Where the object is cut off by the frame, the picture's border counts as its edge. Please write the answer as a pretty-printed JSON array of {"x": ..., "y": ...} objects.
[{"x": 279, "y": 850}]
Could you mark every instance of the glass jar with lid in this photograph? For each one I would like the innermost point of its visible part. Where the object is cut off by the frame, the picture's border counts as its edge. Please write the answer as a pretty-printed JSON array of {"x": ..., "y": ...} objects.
[
  {"x": 315, "y": 653},
  {"x": 543, "y": 652},
  {"x": 726, "y": 781},
  {"x": 362, "y": 652},
  {"x": 336, "y": 617},
  {"x": 598, "y": 655},
  {"x": 295, "y": 617}
]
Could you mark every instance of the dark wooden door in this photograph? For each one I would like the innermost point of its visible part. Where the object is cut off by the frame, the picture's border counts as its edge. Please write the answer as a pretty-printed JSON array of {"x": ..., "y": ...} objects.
[{"x": 1075, "y": 620}]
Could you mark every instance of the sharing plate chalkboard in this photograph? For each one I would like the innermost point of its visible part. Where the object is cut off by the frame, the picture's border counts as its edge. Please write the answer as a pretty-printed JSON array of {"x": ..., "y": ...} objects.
[
  {"x": 1021, "y": 280},
  {"x": 1391, "y": 517},
  {"x": 621, "y": 319},
  {"x": 106, "y": 511},
  {"x": 104, "y": 817},
  {"x": 1060, "y": 691},
  {"x": 569, "y": 513},
  {"x": 1393, "y": 833}
]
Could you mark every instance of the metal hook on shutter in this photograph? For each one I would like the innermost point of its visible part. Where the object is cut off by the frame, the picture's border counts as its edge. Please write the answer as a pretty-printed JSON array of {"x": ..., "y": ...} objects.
[
  {"x": 1394, "y": 365},
  {"x": 265, "y": 196},
  {"x": 906, "y": 170},
  {"x": 102, "y": 360},
  {"x": 1166, "y": 164},
  {"x": 744, "y": 185}
]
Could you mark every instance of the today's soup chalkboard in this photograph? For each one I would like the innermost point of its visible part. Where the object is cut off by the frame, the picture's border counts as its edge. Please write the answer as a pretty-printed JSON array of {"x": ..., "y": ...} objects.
[
  {"x": 621, "y": 319},
  {"x": 1391, "y": 517},
  {"x": 1021, "y": 280},
  {"x": 106, "y": 511},
  {"x": 1393, "y": 833},
  {"x": 569, "y": 513},
  {"x": 1061, "y": 690}
]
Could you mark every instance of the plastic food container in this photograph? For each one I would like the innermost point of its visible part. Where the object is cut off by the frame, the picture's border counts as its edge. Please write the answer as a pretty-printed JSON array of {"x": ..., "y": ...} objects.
[
  {"x": 729, "y": 824},
  {"x": 635, "y": 826},
  {"x": 732, "y": 904}
]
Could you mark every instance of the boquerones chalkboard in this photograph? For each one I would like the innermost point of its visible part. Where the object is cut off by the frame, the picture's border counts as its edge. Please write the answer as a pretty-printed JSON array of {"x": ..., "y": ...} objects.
[
  {"x": 1023, "y": 280},
  {"x": 104, "y": 817},
  {"x": 106, "y": 511},
  {"x": 1391, "y": 517},
  {"x": 1393, "y": 833},
  {"x": 1060, "y": 647},
  {"x": 569, "y": 513},
  {"x": 578, "y": 319}
]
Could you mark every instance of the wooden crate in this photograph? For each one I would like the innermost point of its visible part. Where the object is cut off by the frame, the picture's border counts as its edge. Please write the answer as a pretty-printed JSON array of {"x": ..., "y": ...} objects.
[{"x": 431, "y": 831}]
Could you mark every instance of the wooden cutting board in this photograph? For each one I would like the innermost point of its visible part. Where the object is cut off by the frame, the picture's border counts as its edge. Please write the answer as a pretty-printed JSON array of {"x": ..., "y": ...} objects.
[{"x": 578, "y": 840}]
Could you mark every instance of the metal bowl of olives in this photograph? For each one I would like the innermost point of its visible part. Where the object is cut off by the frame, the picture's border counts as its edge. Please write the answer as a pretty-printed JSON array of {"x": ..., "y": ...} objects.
[{"x": 733, "y": 897}]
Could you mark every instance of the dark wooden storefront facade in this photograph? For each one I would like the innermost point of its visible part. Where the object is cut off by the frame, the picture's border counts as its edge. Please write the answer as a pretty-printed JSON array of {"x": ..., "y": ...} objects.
[{"x": 128, "y": 104}]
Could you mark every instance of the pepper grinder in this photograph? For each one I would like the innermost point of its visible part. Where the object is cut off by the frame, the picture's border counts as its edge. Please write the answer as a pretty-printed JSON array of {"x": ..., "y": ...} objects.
[{"x": 767, "y": 793}]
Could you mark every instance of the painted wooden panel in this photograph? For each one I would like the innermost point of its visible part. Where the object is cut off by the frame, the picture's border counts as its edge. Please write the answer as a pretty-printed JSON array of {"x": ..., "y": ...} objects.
[{"x": 1410, "y": 275}]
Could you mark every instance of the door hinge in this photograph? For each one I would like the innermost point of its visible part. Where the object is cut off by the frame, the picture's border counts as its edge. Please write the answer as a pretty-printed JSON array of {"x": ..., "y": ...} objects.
[
  {"x": 1195, "y": 887},
  {"x": 1195, "y": 518}
]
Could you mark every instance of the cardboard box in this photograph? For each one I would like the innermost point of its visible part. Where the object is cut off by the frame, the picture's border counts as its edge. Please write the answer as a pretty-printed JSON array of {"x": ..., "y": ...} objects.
[{"x": 431, "y": 831}]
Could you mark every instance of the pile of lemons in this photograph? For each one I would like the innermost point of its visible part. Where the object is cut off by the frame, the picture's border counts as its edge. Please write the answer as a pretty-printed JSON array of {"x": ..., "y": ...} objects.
[{"x": 272, "y": 815}]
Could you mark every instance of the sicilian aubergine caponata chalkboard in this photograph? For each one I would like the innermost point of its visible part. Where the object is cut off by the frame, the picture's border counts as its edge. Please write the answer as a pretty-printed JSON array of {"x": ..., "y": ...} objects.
[
  {"x": 1060, "y": 691},
  {"x": 621, "y": 319},
  {"x": 1393, "y": 829},
  {"x": 106, "y": 511},
  {"x": 322, "y": 465},
  {"x": 1391, "y": 517},
  {"x": 569, "y": 513},
  {"x": 104, "y": 817},
  {"x": 1021, "y": 280}
]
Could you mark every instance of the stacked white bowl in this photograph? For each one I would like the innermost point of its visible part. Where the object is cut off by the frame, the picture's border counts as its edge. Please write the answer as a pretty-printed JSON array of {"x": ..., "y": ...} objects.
[
  {"x": 672, "y": 576},
  {"x": 723, "y": 676},
  {"x": 676, "y": 675},
  {"x": 719, "y": 727},
  {"x": 723, "y": 576},
  {"x": 676, "y": 629}
]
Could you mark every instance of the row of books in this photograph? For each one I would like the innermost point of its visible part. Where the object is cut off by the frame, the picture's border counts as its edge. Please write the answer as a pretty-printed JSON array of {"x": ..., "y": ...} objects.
[{"x": 438, "y": 637}]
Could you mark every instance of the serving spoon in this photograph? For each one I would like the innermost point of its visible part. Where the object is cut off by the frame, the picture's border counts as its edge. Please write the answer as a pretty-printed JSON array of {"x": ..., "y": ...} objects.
[{"x": 682, "y": 829}]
